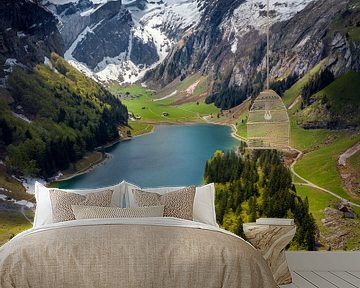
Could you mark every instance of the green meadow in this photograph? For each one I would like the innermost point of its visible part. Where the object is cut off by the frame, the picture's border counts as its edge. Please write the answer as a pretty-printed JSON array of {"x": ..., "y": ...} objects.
[
  {"x": 320, "y": 166},
  {"x": 318, "y": 201},
  {"x": 12, "y": 223},
  {"x": 143, "y": 104}
]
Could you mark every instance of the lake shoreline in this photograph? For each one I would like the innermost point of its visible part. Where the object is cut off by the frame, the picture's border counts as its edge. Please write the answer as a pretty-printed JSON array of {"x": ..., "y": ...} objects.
[
  {"x": 92, "y": 166},
  {"x": 107, "y": 156},
  {"x": 231, "y": 135}
]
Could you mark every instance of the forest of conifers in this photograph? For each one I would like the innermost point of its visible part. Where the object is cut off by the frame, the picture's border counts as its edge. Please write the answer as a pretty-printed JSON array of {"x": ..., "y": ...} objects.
[{"x": 257, "y": 185}]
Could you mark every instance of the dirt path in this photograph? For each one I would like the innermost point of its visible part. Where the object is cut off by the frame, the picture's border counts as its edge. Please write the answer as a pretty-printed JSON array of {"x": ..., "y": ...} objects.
[
  {"x": 297, "y": 100},
  {"x": 235, "y": 135},
  {"x": 166, "y": 97},
  {"x": 191, "y": 89},
  {"x": 310, "y": 184},
  {"x": 348, "y": 153}
]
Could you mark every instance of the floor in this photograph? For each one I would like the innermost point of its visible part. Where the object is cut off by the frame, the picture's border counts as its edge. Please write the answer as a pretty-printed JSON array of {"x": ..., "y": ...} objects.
[{"x": 324, "y": 269}]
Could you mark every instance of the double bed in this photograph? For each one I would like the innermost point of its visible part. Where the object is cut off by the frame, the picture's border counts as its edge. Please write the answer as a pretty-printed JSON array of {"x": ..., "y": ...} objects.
[{"x": 132, "y": 252}]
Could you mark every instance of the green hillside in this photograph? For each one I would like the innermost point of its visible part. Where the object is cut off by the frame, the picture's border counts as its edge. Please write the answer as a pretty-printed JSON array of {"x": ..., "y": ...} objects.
[
  {"x": 338, "y": 104},
  {"x": 320, "y": 166},
  {"x": 295, "y": 90},
  {"x": 60, "y": 115}
]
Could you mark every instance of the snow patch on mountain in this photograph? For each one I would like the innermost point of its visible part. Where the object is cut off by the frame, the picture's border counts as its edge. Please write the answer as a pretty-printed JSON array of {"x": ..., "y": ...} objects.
[
  {"x": 68, "y": 54},
  {"x": 92, "y": 10},
  {"x": 122, "y": 71},
  {"x": 234, "y": 45},
  {"x": 252, "y": 15},
  {"x": 148, "y": 28},
  {"x": 160, "y": 23},
  {"x": 62, "y": 2}
]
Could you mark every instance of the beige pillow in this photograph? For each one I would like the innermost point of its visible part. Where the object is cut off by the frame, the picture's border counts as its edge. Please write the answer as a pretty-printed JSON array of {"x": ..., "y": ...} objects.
[
  {"x": 61, "y": 202},
  {"x": 177, "y": 204},
  {"x": 94, "y": 212}
]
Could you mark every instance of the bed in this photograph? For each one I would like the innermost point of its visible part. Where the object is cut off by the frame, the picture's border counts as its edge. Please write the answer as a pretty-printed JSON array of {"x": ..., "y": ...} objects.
[{"x": 131, "y": 252}]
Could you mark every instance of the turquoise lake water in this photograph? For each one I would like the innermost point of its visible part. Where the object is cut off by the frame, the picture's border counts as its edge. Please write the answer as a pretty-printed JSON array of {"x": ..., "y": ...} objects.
[{"x": 171, "y": 156}]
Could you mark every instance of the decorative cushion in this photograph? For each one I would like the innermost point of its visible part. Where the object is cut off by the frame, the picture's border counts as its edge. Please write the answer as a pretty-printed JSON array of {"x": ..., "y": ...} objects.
[
  {"x": 204, "y": 205},
  {"x": 61, "y": 202},
  {"x": 130, "y": 200},
  {"x": 177, "y": 204},
  {"x": 94, "y": 212},
  {"x": 43, "y": 213},
  {"x": 204, "y": 202}
]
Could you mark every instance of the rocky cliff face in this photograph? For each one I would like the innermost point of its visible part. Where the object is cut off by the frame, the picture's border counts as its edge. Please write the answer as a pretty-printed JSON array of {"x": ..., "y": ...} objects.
[
  {"x": 310, "y": 36},
  {"x": 28, "y": 34},
  {"x": 119, "y": 40},
  {"x": 229, "y": 45}
]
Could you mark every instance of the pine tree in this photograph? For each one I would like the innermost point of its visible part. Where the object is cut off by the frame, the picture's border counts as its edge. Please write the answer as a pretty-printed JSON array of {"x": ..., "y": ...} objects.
[{"x": 253, "y": 208}]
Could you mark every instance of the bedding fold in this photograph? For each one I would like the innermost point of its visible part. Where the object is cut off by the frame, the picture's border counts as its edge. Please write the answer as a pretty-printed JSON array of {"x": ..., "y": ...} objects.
[{"x": 142, "y": 252}]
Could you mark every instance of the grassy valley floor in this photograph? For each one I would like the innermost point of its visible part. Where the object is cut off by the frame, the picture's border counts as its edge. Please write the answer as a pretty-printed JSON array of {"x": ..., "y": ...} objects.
[
  {"x": 179, "y": 103},
  {"x": 12, "y": 223}
]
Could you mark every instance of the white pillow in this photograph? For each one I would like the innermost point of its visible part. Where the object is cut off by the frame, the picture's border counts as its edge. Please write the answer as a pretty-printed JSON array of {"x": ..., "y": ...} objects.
[
  {"x": 43, "y": 213},
  {"x": 204, "y": 202},
  {"x": 204, "y": 205}
]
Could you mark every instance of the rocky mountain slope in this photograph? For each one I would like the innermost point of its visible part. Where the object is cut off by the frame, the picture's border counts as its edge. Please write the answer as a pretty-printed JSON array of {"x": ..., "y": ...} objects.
[
  {"x": 229, "y": 45},
  {"x": 28, "y": 33},
  {"x": 119, "y": 40}
]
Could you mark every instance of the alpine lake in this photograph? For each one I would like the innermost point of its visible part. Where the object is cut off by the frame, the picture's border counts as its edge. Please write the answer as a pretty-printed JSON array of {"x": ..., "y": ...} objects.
[{"x": 170, "y": 156}]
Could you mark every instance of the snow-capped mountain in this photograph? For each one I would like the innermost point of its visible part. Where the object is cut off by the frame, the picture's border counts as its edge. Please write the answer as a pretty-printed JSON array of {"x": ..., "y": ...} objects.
[
  {"x": 229, "y": 46},
  {"x": 120, "y": 40}
]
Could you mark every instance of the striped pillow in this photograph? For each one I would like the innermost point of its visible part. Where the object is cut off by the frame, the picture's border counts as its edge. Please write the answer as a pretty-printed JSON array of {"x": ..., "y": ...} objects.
[{"x": 94, "y": 212}]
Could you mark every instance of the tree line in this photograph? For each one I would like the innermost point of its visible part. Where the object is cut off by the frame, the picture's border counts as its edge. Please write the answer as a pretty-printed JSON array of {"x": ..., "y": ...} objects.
[
  {"x": 225, "y": 95},
  {"x": 257, "y": 185},
  {"x": 316, "y": 83}
]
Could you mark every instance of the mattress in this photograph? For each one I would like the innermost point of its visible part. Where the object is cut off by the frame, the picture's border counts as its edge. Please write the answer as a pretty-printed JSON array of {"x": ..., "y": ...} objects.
[{"x": 137, "y": 252}]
